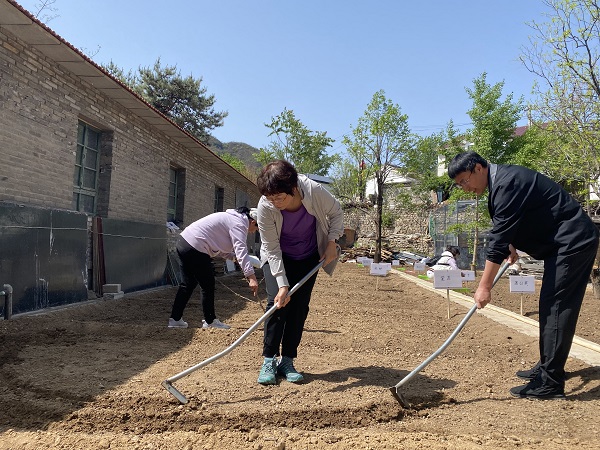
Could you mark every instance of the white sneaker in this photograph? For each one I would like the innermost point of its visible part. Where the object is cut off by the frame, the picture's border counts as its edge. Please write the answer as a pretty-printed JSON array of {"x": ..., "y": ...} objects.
[
  {"x": 215, "y": 324},
  {"x": 177, "y": 323}
]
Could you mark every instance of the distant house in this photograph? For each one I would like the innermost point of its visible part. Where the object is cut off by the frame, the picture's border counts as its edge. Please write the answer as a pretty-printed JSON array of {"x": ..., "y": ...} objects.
[
  {"x": 90, "y": 173},
  {"x": 395, "y": 181},
  {"x": 322, "y": 180}
]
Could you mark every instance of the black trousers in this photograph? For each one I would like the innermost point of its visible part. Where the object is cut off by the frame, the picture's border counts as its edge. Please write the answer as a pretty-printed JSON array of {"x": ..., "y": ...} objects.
[
  {"x": 196, "y": 269},
  {"x": 563, "y": 288},
  {"x": 284, "y": 328}
]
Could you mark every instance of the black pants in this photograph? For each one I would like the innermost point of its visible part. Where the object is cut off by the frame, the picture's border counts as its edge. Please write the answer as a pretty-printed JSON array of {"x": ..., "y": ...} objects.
[
  {"x": 563, "y": 288},
  {"x": 196, "y": 269},
  {"x": 284, "y": 328}
]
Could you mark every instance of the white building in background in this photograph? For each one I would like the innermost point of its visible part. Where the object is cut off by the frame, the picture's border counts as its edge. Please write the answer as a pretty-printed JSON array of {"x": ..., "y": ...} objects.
[{"x": 394, "y": 178}]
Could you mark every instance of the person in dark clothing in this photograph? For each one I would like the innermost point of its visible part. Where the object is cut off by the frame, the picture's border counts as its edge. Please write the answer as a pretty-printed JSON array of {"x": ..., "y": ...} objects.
[{"x": 534, "y": 214}]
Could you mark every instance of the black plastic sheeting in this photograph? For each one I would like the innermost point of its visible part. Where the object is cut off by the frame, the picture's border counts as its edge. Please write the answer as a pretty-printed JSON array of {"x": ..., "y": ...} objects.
[
  {"x": 43, "y": 256},
  {"x": 135, "y": 254}
]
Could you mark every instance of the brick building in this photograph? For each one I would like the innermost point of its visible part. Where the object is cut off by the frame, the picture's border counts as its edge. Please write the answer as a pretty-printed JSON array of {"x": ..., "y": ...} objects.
[{"x": 90, "y": 173}]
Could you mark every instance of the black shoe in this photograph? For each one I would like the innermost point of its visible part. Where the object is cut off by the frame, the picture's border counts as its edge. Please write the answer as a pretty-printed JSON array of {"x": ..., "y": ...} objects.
[
  {"x": 536, "y": 390},
  {"x": 528, "y": 375}
]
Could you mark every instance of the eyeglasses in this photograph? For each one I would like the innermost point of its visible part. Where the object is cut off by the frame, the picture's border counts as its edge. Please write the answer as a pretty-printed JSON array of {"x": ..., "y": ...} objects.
[
  {"x": 463, "y": 183},
  {"x": 277, "y": 198}
]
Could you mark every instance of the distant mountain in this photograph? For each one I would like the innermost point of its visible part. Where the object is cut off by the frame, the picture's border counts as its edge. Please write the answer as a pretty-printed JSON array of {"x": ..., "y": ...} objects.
[{"x": 240, "y": 150}]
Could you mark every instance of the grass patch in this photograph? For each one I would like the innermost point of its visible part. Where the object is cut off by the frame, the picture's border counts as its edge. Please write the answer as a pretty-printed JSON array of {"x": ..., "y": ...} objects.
[{"x": 463, "y": 290}]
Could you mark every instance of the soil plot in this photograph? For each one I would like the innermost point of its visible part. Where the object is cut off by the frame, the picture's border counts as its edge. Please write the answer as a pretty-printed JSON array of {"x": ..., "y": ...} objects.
[{"x": 90, "y": 376}]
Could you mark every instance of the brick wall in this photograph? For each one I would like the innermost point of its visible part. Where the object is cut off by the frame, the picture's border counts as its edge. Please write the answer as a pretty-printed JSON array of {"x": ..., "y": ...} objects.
[{"x": 40, "y": 106}]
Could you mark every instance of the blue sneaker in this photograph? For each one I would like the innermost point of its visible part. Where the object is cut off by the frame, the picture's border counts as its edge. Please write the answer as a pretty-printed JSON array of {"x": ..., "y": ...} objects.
[
  {"x": 286, "y": 369},
  {"x": 267, "y": 372}
]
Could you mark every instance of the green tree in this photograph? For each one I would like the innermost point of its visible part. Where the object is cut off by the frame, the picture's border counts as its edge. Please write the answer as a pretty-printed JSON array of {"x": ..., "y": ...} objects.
[
  {"x": 347, "y": 180},
  {"x": 130, "y": 78},
  {"x": 492, "y": 136},
  {"x": 564, "y": 53},
  {"x": 294, "y": 142},
  {"x": 381, "y": 139},
  {"x": 240, "y": 166},
  {"x": 494, "y": 121},
  {"x": 183, "y": 99},
  {"x": 421, "y": 163},
  {"x": 424, "y": 160},
  {"x": 539, "y": 146}
]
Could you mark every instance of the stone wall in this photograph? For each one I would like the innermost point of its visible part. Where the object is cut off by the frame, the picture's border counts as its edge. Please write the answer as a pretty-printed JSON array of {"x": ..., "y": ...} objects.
[{"x": 409, "y": 233}]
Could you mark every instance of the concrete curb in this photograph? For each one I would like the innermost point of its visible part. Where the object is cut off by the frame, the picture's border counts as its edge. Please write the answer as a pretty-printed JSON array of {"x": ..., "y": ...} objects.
[{"x": 582, "y": 349}]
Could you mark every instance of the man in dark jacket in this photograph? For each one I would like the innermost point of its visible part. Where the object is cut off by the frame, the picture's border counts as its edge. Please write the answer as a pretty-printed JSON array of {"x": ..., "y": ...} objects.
[{"x": 534, "y": 214}]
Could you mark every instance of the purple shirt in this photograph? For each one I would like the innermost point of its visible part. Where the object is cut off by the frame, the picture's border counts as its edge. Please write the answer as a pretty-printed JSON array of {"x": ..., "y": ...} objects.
[{"x": 298, "y": 234}]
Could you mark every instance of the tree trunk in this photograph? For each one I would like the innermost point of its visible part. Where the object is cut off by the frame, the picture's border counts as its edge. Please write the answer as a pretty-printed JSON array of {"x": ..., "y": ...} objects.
[{"x": 379, "y": 202}]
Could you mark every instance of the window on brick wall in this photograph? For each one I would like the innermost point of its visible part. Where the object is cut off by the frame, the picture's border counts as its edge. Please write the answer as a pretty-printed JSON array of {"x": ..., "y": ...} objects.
[
  {"x": 172, "y": 201},
  {"x": 85, "y": 177},
  {"x": 219, "y": 196},
  {"x": 176, "y": 195}
]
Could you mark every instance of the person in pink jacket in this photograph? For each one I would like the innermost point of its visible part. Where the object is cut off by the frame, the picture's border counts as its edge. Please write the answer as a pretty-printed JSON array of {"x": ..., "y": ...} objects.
[{"x": 220, "y": 234}]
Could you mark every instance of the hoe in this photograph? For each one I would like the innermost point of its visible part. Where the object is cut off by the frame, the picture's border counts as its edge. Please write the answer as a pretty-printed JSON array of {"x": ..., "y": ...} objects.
[
  {"x": 168, "y": 383},
  {"x": 394, "y": 389}
]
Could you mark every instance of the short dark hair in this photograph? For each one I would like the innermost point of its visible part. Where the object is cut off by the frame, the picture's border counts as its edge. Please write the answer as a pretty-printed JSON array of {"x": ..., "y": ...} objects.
[
  {"x": 464, "y": 162},
  {"x": 453, "y": 249},
  {"x": 246, "y": 211},
  {"x": 277, "y": 177}
]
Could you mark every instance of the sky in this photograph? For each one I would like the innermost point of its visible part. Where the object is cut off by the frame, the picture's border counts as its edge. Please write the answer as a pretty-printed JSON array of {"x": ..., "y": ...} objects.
[{"x": 323, "y": 59}]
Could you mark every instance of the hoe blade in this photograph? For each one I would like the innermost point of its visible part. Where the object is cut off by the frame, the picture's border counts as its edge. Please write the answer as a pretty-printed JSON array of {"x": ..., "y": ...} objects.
[
  {"x": 174, "y": 392},
  {"x": 399, "y": 397}
]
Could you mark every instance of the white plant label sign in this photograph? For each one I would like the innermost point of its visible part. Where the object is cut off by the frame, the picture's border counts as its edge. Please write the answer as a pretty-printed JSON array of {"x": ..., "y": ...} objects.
[
  {"x": 522, "y": 283},
  {"x": 447, "y": 279},
  {"x": 419, "y": 267},
  {"x": 395, "y": 262},
  {"x": 379, "y": 269},
  {"x": 468, "y": 275}
]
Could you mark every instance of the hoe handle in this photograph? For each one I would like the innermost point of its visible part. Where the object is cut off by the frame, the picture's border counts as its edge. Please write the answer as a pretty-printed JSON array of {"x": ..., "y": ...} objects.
[
  {"x": 243, "y": 337},
  {"x": 452, "y": 336}
]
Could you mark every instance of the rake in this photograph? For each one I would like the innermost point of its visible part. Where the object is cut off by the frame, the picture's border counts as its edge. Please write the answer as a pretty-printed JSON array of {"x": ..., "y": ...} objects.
[{"x": 394, "y": 389}]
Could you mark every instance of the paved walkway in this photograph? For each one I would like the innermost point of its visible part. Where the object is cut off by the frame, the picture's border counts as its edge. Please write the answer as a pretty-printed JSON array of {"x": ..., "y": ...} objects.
[{"x": 584, "y": 350}]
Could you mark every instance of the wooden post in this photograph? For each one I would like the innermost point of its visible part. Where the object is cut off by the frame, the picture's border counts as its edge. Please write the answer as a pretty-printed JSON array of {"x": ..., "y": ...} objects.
[{"x": 521, "y": 304}]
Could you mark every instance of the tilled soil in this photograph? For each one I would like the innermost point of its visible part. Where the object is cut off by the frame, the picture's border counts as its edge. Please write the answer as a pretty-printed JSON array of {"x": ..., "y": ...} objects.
[{"x": 89, "y": 376}]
